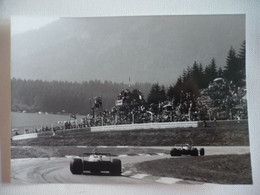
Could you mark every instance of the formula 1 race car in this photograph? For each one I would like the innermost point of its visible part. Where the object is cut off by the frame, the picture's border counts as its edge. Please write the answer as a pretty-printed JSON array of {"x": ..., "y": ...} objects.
[
  {"x": 186, "y": 149},
  {"x": 95, "y": 163}
]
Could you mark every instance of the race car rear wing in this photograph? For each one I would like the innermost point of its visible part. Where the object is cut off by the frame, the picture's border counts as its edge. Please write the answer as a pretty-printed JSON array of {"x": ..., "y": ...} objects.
[{"x": 96, "y": 153}]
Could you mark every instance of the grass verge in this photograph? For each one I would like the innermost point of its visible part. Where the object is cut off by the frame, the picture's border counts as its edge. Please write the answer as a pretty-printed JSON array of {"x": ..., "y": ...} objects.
[
  {"x": 222, "y": 169},
  {"x": 218, "y": 135}
]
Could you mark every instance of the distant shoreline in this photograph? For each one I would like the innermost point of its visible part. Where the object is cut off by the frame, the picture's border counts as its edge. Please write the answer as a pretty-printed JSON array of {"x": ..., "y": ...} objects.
[{"x": 31, "y": 121}]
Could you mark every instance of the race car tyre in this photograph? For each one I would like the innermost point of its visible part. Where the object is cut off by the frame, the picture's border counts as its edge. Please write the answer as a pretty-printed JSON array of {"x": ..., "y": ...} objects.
[
  {"x": 76, "y": 166},
  {"x": 202, "y": 152},
  {"x": 194, "y": 152},
  {"x": 175, "y": 152},
  {"x": 116, "y": 167}
]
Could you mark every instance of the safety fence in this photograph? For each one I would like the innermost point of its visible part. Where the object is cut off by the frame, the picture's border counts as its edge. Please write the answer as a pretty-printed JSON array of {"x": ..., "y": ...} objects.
[{"x": 147, "y": 126}]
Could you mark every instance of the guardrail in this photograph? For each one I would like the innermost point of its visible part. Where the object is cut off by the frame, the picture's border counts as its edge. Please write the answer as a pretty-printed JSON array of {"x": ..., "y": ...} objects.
[
  {"x": 25, "y": 136},
  {"x": 223, "y": 122},
  {"x": 165, "y": 125},
  {"x": 140, "y": 126},
  {"x": 77, "y": 130}
]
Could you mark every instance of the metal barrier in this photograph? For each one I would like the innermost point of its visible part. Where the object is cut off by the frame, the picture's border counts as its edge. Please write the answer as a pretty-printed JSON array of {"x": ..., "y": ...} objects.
[
  {"x": 25, "y": 136},
  {"x": 147, "y": 126}
]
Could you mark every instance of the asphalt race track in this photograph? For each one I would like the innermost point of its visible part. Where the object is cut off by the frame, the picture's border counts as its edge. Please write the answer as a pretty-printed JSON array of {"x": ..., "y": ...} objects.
[{"x": 56, "y": 170}]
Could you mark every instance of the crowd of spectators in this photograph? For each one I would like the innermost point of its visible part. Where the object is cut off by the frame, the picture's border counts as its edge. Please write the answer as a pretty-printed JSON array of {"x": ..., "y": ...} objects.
[
  {"x": 221, "y": 100},
  {"x": 224, "y": 100}
]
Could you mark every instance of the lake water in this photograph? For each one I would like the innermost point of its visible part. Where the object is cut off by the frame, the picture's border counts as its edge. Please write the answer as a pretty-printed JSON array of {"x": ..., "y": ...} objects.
[{"x": 35, "y": 120}]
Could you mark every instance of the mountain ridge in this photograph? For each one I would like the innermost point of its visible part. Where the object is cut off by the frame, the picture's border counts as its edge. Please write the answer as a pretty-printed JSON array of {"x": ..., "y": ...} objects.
[{"x": 146, "y": 49}]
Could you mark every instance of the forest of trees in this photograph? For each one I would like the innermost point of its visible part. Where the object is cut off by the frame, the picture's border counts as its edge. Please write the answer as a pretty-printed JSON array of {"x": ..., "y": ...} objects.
[
  {"x": 73, "y": 97},
  {"x": 70, "y": 97},
  {"x": 195, "y": 78}
]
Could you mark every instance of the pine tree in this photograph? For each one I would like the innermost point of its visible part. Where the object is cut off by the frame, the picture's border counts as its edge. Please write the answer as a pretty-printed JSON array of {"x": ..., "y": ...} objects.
[
  {"x": 220, "y": 72},
  {"x": 213, "y": 69},
  {"x": 174, "y": 92},
  {"x": 242, "y": 63},
  {"x": 207, "y": 77},
  {"x": 189, "y": 72},
  {"x": 242, "y": 51},
  {"x": 155, "y": 96},
  {"x": 232, "y": 71},
  {"x": 137, "y": 97},
  {"x": 163, "y": 95},
  {"x": 184, "y": 75},
  {"x": 195, "y": 73},
  {"x": 201, "y": 81}
]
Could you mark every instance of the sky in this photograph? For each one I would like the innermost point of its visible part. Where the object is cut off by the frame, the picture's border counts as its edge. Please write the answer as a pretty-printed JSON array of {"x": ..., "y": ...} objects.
[
  {"x": 146, "y": 48},
  {"x": 21, "y": 24}
]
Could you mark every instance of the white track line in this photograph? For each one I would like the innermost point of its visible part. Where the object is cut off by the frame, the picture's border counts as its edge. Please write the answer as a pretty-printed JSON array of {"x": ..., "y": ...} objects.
[
  {"x": 82, "y": 146},
  {"x": 168, "y": 180},
  {"x": 71, "y": 156},
  {"x": 160, "y": 154},
  {"x": 122, "y": 155},
  {"x": 127, "y": 173},
  {"x": 122, "y": 146},
  {"x": 139, "y": 176}
]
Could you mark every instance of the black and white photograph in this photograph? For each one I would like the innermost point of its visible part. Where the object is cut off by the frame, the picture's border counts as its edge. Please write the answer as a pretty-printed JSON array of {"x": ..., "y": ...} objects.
[{"x": 129, "y": 100}]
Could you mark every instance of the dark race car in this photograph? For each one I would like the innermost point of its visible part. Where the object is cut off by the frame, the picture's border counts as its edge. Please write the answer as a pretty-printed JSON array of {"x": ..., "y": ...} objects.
[
  {"x": 186, "y": 149},
  {"x": 95, "y": 163}
]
